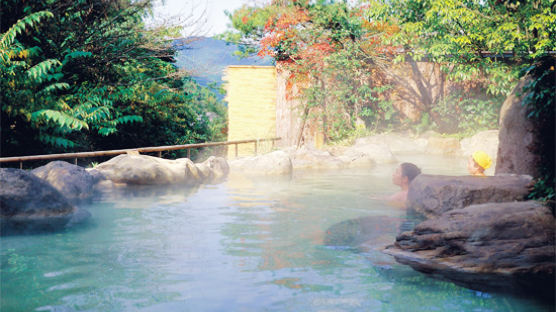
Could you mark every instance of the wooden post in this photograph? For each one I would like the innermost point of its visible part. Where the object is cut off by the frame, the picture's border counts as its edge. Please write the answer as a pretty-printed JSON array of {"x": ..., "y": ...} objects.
[
  {"x": 236, "y": 149},
  {"x": 159, "y": 154},
  {"x": 20, "y": 165},
  {"x": 75, "y": 161},
  {"x": 189, "y": 153},
  {"x": 256, "y": 147}
]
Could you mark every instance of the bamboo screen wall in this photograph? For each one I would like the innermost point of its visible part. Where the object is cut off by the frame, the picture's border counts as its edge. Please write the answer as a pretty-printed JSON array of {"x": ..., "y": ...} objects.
[{"x": 251, "y": 97}]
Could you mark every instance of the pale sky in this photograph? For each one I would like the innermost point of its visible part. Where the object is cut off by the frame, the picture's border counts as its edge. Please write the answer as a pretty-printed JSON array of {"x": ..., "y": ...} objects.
[{"x": 212, "y": 22}]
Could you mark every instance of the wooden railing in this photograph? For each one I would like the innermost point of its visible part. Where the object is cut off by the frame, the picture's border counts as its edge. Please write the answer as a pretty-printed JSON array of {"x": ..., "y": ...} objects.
[{"x": 158, "y": 149}]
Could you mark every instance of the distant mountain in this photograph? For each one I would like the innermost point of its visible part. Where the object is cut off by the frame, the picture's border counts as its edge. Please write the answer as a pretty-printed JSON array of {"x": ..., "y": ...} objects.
[{"x": 207, "y": 58}]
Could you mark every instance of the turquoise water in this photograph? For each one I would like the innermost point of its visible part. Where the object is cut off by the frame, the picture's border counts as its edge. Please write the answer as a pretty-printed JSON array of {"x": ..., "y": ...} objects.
[{"x": 242, "y": 245}]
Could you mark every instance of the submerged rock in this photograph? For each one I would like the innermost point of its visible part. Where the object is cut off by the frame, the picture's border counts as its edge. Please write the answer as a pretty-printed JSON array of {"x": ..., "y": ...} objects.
[
  {"x": 369, "y": 229},
  {"x": 30, "y": 204},
  {"x": 74, "y": 182},
  {"x": 149, "y": 170},
  {"x": 432, "y": 195},
  {"x": 492, "y": 247},
  {"x": 275, "y": 163}
]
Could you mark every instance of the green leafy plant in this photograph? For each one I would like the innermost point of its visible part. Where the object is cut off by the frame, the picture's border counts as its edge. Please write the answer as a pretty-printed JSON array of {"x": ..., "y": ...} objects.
[
  {"x": 541, "y": 106},
  {"x": 94, "y": 77},
  {"x": 467, "y": 115},
  {"x": 49, "y": 112},
  {"x": 330, "y": 55},
  {"x": 341, "y": 57},
  {"x": 424, "y": 124},
  {"x": 543, "y": 190}
]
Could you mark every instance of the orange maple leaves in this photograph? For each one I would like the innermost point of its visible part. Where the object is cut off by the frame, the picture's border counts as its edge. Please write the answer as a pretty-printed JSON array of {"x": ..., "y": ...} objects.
[
  {"x": 291, "y": 39},
  {"x": 282, "y": 30}
]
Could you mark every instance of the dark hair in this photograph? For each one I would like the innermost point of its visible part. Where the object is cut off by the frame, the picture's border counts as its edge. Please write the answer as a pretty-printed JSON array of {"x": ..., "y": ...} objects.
[{"x": 410, "y": 171}]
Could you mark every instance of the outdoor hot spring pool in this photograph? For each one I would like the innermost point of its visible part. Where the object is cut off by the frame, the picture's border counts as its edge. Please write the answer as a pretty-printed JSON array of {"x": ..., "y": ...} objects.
[{"x": 242, "y": 245}]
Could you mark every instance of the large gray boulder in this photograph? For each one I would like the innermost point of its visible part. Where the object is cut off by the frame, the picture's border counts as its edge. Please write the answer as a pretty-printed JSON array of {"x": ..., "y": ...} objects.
[
  {"x": 432, "y": 195},
  {"x": 493, "y": 247},
  {"x": 29, "y": 204},
  {"x": 149, "y": 170},
  {"x": 274, "y": 163},
  {"x": 214, "y": 169},
  {"x": 143, "y": 169},
  {"x": 74, "y": 182},
  {"x": 97, "y": 175},
  {"x": 520, "y": 139}
]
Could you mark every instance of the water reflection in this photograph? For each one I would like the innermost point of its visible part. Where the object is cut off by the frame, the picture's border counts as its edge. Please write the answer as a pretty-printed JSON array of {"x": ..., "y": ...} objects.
[{"x": 145, "y": 196}]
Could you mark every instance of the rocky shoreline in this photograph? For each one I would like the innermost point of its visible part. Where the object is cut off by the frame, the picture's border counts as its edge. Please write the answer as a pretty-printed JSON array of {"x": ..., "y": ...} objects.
[
  {"x": 71, "y": 184},
  {"x": 47, "y": 198}
]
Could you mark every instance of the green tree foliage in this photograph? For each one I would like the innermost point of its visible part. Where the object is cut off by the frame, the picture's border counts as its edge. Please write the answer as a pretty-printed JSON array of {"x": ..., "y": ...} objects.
[
  {"x": 496, "y": 38},
  {"x": 342, "y": 57},
  {"x": 89, "y": 75},
  {"x": 541, "y": 101},
  {"x": 468, "y": 115},
  {"x": 328, "y": 52}
]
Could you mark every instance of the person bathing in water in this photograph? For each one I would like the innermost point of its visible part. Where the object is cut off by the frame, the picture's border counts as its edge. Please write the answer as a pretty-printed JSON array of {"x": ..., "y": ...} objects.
[
  {"x": 404, "y": 174},
  {"x": 478, "y": 163}
]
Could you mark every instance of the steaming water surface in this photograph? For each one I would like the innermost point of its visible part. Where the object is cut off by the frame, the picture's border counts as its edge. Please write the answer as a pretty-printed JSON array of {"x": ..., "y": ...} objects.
[{"x": 243, "y": 245}]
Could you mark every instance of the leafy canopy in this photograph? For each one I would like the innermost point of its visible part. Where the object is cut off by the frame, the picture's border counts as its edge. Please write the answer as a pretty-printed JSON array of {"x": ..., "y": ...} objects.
[
  {"x": 496, "y": 38},
  {"x": 88, "y": 74},
  {"x": 329, "y": 54}
]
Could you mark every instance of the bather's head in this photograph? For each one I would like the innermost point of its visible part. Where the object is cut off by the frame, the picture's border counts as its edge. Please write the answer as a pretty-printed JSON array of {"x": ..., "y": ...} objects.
[
  {"x": 404, "y": 174},
  {"x": 478, "y": 163}
]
